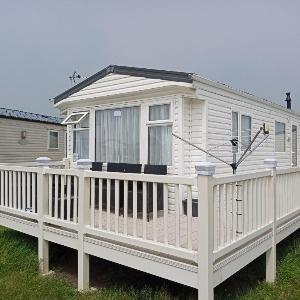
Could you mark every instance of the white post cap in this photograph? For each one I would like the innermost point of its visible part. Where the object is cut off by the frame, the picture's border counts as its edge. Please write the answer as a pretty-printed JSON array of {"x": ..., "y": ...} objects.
[
  {"x": 270, "y": 163},
  {"x": 84, "y": 164},
  {"x": 43, "y": 161},
  {"x": 205, "y": 168}
]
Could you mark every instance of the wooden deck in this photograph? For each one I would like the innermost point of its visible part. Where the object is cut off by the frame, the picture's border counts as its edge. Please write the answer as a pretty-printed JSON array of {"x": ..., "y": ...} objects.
[{"x": 240, "y": 218}]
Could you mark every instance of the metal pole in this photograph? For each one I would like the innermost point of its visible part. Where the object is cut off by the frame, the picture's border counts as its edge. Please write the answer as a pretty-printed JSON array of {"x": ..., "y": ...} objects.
[
  {"x": 249, "y": 147},
  {"x": 234, "y": 162}
]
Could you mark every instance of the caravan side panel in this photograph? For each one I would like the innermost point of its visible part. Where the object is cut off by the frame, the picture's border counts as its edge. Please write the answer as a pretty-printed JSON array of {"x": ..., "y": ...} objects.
[{"x": 220, "y": 106}]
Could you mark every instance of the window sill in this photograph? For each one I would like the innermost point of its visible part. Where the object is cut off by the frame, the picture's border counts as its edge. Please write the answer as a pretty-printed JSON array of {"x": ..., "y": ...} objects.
[{"x": 159, "y": 123}]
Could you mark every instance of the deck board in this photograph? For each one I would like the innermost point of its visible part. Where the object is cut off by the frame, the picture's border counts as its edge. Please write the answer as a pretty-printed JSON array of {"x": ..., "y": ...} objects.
[{"x": 183, "y": 228}]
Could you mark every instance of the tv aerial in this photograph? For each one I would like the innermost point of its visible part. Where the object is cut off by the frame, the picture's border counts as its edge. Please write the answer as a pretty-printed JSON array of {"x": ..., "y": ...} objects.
[
  {"x": 234, "y": 142},
  {"x": 74, "y": 77}
]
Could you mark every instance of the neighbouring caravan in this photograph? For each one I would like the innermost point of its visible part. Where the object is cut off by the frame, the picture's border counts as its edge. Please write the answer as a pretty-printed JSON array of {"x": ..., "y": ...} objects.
[
  {"x": 26, "y": 136},
  {"x": 127, "y": 114}
]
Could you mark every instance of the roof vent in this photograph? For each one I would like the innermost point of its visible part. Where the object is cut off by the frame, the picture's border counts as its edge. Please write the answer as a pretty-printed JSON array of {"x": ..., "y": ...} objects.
[{"x": 288, "y": 101}]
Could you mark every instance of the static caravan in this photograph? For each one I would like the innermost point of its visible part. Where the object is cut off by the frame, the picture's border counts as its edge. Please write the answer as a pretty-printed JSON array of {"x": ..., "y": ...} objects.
[
  {"x": 127, "y": 115},
  {"x": 196, "y": 229},
  {"x": 26, "y": 136}
]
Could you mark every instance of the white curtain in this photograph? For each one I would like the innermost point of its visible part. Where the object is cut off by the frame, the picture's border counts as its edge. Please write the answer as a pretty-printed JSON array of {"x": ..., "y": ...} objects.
[
  {"x": 235, "y": 129},
  {"x": 118, "y": 135},
  {"x": 279, "y": 137},
  {"x": 246, "y": 131},
  {"x": 81, "y": 144},
  {"x": 159, "y": 112},
  {"x": 294, "y": 145},
  {"x": 160, "y": 145}
]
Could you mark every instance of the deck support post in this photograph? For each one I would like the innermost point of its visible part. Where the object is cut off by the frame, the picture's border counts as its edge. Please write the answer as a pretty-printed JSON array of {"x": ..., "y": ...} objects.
[
  {"x": 42, "y": 210},
  {"x": 271, "y": 164},
  {"x": 205, "y": 172},
  {"x": 83, "y": 220}
]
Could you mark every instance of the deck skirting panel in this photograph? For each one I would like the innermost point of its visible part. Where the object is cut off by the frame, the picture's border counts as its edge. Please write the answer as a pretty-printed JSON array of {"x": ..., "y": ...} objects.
[
  {"x": 19, "y": 224},
  {"x": 61, "y": 237},
  {"x": 153, "y": 264},
  {"x": 229, "y": 265},
  {"x": 288, "y": 228}
]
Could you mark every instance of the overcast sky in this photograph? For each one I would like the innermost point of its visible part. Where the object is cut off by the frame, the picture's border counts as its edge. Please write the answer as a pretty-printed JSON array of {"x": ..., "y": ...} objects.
[{"x": 251, "y": 45}]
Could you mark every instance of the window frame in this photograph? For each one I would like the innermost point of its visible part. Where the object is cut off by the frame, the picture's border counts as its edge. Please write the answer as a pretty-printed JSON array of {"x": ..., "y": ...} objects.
[
  {"x": 240, "y": 114},
  {"x": 159, "y": 123},
  {"x": 55, "y": 131},
  {"x": 238, "y": 130},
  {"x": 165, "y": 122},
  {"x": 119, "y": 106},
  {"x": 75, "y": 129},
  {"x": 66, "y": 122},
  {"x": 285, "y": 136}
]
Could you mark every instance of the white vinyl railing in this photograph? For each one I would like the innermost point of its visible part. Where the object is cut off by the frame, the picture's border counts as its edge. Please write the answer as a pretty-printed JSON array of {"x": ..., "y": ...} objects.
[
  {"x": 241, "y": 206},
  {"x": 62, "y": 196},
  {"x": 137, "y": 205},
  {"x": 150, "y": 207},
  {"x": 18, "y": 189},
  {"x": 288, "y": 191}
]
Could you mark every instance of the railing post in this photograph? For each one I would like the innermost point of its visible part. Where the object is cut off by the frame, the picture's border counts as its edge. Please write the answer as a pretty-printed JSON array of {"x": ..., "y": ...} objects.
[
  {"x": 43, "y": 162},
  {"x": 42, "y": 210},
  {"x": 271, "y": 164},
  {"x": 83, "y": 220},
  {"x": 66, "y": 163},
  {"x": 205, "y": 172}
]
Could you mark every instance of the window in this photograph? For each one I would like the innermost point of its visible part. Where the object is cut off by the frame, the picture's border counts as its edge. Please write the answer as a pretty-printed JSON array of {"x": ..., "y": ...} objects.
[
  {"x": 294, "y": 146},
  {"x": 241, "y": 132},
  {"x": 159, "y": 112},
  {"x": 279, "y": 137},
  {"x": 74, "y": 118},
  {"x": 235, "y": 130},
  {"x": 245, "y": 131},
  {"x": 159, "y": 135},
  {"x": 81, "y": 139},
  {"x": 80, "y": 144},
  {"x": 53, "y": 139},
  {"x": 118, "y": 135}
]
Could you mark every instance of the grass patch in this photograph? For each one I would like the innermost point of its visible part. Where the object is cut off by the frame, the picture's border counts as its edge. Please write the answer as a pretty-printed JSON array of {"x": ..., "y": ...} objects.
[
  {"x": 19, "y": 278},
  {"x": 249, "y": 283}
]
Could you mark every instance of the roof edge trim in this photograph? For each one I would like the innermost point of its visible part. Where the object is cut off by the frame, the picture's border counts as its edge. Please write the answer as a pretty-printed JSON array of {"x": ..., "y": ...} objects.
[
  {"x": 124, "y": 70},
  {"x": 242, "y": 93}
]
